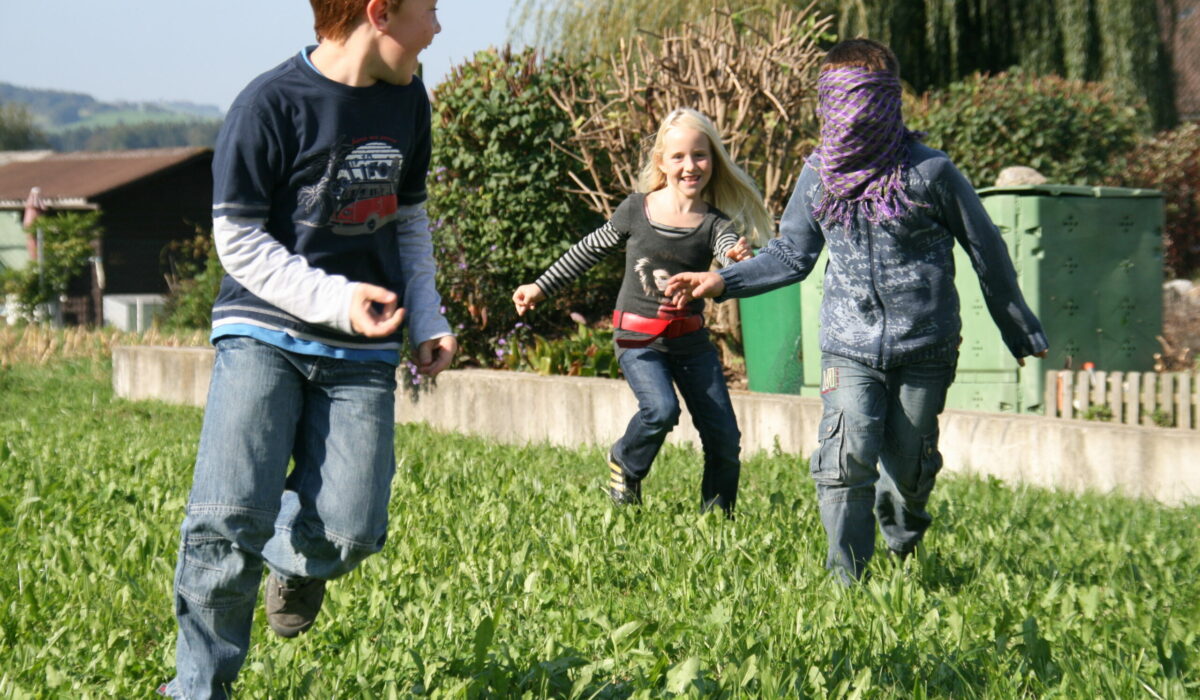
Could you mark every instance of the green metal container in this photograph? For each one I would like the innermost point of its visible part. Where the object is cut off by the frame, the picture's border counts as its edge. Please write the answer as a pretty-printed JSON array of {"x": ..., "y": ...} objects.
[
  {"x": 771, "y": 340},
  {"x": 1089, "y": 261}
]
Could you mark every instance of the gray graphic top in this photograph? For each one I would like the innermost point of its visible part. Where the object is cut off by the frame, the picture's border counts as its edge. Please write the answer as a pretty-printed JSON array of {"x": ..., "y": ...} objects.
[{"x": 653, "y": 252}]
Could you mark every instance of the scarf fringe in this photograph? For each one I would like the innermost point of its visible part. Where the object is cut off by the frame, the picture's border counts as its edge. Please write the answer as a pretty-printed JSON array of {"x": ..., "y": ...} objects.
[{"x": 885, "y": 197}]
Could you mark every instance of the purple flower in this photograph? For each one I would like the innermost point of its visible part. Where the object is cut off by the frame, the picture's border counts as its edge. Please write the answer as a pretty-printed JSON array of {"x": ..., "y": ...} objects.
[
  {"x": 520, "y": 324},
  {"x": 500, "y": 352},
  {"x": 578, "y": 317},
  {"x": 502, "y": 341},
  {"x": 442, "y": 309}
]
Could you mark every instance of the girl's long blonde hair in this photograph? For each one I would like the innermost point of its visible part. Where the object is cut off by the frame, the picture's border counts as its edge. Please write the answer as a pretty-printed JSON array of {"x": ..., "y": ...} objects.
[{"x": 730, "y": 189}]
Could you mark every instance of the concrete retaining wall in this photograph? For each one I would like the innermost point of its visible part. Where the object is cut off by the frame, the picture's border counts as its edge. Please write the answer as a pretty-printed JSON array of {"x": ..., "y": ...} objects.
[{"x": 514, "y": 407}]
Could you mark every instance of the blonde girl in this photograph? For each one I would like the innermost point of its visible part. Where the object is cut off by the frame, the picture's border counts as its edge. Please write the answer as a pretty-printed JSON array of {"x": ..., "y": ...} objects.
[{"x": 693, "y": 205}]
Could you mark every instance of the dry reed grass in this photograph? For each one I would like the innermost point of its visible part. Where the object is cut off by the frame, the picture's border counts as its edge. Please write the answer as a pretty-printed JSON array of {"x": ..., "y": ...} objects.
[{"x": 39, "y": 345}]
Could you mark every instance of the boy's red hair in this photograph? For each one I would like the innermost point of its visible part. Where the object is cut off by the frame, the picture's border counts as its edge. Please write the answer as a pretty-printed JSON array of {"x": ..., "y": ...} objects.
[{"x": 336, "y": 19}]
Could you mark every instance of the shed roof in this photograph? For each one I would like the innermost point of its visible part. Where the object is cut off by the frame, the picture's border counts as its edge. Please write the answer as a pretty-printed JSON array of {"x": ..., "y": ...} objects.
[{"x": 68, "y": 180}]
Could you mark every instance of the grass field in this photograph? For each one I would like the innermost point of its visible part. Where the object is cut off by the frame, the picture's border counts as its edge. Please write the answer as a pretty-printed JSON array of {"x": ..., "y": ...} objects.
[{"x": 508, "y": 575}]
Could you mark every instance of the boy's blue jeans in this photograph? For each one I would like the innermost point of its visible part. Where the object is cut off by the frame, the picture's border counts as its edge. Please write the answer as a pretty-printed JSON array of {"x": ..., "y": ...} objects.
[
  {"x": 653, "y": 376},
  {"x": 265, "y": 407},
  {"x": 878, "y": 455}
]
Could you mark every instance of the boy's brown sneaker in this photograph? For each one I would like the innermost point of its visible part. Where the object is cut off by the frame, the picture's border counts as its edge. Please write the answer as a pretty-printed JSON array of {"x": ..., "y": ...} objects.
[{"x": 291, "y": 610}]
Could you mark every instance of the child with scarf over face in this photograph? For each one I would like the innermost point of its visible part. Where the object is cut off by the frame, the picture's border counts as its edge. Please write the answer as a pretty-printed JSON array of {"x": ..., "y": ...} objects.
[{"x": 890, "y": 209}]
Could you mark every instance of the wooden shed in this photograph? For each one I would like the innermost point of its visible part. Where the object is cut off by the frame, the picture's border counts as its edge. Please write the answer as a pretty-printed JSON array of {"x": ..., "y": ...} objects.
[{"x": 146, "y": 198}]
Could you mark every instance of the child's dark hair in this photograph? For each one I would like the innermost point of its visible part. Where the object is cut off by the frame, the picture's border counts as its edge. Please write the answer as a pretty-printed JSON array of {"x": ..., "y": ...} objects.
[{"x": 862, "y": 53}]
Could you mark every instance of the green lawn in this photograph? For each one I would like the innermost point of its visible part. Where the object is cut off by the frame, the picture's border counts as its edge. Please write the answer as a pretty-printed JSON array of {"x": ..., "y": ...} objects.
[{"x": 507, "y": 574}]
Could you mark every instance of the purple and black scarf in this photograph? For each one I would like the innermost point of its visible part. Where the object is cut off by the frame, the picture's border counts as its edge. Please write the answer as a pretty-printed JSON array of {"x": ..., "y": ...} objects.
[{"x": 864, "y": 146}]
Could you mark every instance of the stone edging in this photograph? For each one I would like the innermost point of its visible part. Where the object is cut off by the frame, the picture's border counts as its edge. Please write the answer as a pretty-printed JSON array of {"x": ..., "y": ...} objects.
[{"x": 516, "y": 407}]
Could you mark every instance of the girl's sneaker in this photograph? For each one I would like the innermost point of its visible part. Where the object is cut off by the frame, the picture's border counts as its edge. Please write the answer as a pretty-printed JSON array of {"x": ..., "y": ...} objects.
[{"x": 621, "y": 489}]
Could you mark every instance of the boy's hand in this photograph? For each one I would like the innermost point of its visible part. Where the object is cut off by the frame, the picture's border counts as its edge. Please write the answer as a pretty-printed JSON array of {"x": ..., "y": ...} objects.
[
  {"x": 1042, "y": 354},
  {"x": 739, "y": 251},
  {"x": 434, "y": 355},
  {"x": 526, "y": 297},
  {"x": 686, "y": 286},
  {"x": 374, "y": 311}
]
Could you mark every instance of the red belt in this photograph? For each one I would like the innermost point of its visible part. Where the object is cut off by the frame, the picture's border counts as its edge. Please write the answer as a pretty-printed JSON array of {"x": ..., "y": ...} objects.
[{"x": 654, "y": 327}]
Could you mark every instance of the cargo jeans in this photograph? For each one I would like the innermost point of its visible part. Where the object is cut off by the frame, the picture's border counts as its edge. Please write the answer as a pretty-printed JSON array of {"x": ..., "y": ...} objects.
[{"x": 877, "y": 457}]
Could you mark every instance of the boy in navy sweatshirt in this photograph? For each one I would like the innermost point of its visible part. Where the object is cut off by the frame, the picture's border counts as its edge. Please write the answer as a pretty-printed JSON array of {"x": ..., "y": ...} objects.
[{"x": 318, "y": 217}]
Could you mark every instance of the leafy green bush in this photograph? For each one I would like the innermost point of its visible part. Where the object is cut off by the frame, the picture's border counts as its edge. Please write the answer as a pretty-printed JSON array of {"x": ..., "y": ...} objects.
[
  {"x": 66, "y": 247},
  {"x": 1162, "y": 418},
  {"x": 194, "y": 275},
  {"x": 1103, "y": 413},
  {"x": 1170, "y": 161},
  {"x": 1070, "y": 131},
  {"x": 588, "y": 352},
  {"x": 498, "y": 202}
]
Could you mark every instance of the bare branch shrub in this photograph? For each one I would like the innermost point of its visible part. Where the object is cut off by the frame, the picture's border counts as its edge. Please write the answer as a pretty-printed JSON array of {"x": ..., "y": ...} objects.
[{"x": 752, "y": 72}]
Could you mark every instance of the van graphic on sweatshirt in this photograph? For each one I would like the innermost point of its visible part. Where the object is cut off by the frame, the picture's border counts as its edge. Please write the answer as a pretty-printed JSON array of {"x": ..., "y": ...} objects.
[{"x": 364, "y": 190}]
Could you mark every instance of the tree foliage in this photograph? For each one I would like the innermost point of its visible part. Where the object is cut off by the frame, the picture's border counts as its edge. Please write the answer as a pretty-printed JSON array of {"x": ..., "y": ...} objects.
[
  {"x": 17, "y": 130},
  {"x": 66, "y": 248},
  {"x": 942, "y": 41},
  {"x": 497, "y": 206},
  {"x": 193, "y": 273},
  {"x": 584, "y": 30},
  {"x": 1068, "y": 130},
  {"x": 937, "y": 41},
  {"x": 752, "y": 73},
  {"x": 141, "y": 135},
  {"x": 1170, "y": 162}
]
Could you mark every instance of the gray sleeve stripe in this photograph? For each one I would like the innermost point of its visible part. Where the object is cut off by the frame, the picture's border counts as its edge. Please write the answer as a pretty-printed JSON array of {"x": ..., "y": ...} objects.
[
  {"x": 580, "y": 258},
  {"x": 726, "y": 238}
]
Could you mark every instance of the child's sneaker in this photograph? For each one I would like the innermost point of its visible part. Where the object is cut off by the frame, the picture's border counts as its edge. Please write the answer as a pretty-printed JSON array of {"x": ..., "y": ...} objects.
[
  {"x": 621, "y": 489},
  {"x": 292, "y": 609}
]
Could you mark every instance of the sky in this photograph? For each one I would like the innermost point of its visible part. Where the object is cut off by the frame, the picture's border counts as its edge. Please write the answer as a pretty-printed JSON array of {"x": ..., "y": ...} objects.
[{"x": 202, "y": 51}]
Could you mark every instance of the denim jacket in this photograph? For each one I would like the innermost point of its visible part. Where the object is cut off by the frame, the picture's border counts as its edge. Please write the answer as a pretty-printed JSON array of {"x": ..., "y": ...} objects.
[{"x": 889, "y": 286}]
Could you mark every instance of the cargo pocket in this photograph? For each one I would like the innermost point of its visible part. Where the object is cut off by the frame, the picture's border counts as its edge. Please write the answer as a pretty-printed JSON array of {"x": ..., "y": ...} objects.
[
  {"x": 826, "y": 462},
  {"x": 929, "y": 464}
]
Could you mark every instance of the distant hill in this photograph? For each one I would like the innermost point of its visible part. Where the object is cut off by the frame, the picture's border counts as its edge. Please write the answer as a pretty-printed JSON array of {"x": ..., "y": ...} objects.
[
  {"x": 55, "y": 110},
  {"x": 76, "y": 121}
]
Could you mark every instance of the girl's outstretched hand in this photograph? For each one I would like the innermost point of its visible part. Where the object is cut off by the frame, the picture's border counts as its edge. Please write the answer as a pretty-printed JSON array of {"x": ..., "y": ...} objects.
[
  {"x": 526, "y": 297},
  {"x": 739, "y": 251},
  {"x": 686, "y": 286}
]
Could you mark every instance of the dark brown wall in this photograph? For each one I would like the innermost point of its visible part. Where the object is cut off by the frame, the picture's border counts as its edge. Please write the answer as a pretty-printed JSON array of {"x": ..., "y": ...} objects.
[{"x": 141, "y": 218}]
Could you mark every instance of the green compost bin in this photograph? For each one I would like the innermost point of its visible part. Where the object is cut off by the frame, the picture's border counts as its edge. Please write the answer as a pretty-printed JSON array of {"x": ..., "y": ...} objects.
[
  {"x": 1089, "y": 261},
  {"x": 771, "y": 340}
]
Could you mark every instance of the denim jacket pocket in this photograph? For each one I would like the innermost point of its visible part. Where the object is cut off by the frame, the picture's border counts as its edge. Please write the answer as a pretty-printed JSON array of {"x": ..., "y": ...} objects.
[
  {"x": 930, "y": 464},
  {"x": 826, "y": 462}
]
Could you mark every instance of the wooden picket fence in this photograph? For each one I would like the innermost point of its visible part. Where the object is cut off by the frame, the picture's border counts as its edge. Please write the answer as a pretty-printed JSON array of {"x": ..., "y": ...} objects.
[{"x": 1164, "y": 399}]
